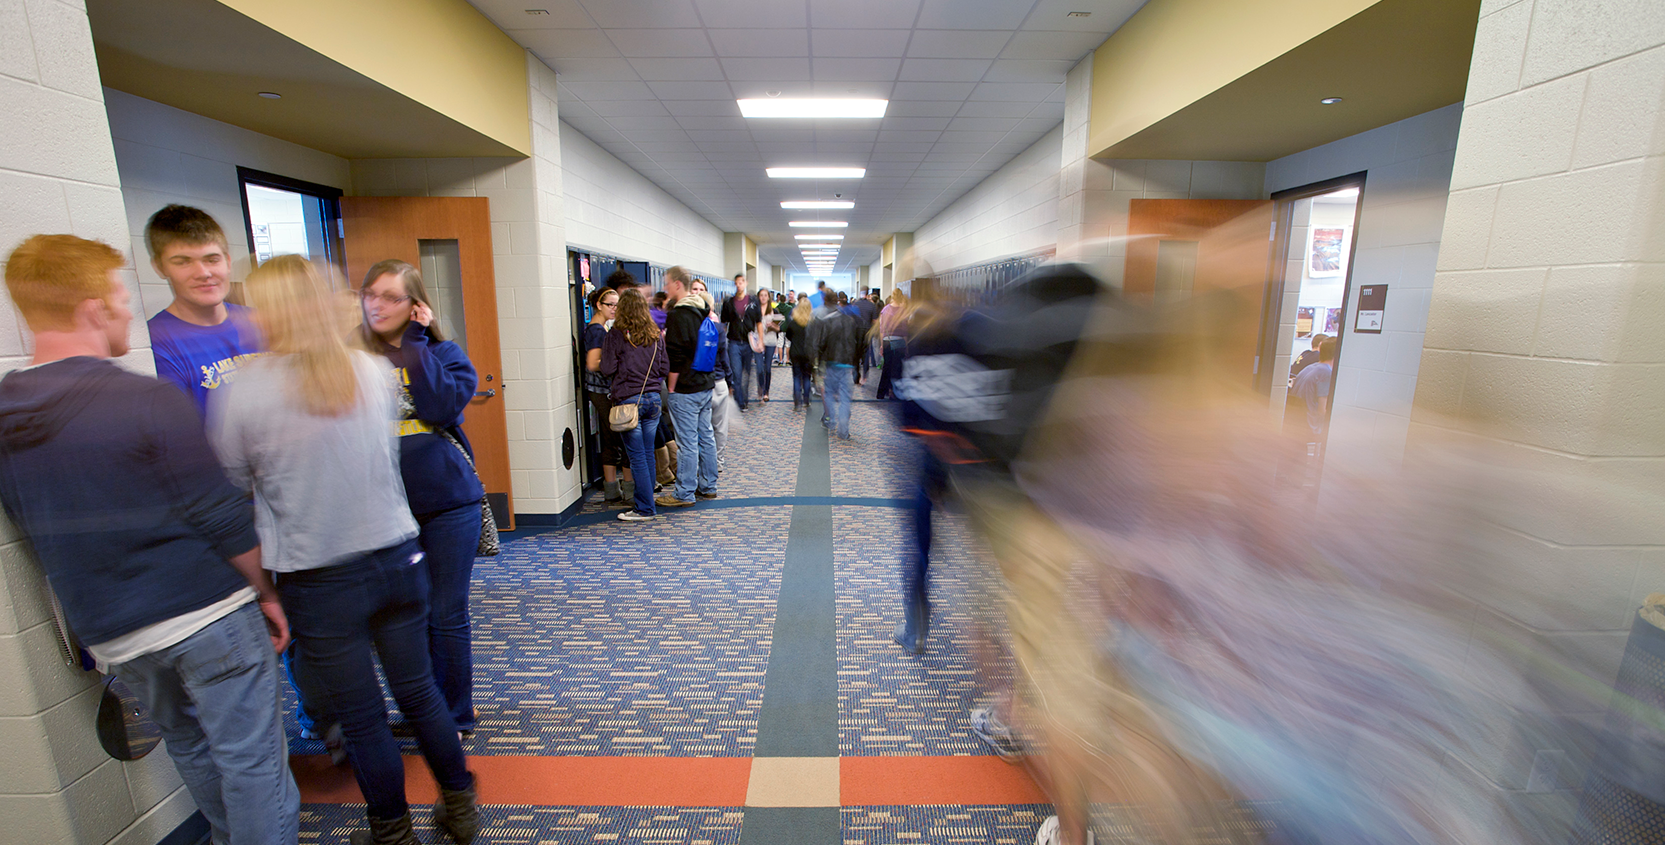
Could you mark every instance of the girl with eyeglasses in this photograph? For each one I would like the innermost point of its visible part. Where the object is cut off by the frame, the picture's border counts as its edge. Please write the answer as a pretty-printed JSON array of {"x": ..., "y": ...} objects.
[
  {"x": 435, "y": 383},
  {"x": 604, "y": 305}
]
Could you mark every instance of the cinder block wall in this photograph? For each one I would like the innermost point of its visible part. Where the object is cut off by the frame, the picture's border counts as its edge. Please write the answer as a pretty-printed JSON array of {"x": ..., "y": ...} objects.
[{"x": 1543, "y": 337}]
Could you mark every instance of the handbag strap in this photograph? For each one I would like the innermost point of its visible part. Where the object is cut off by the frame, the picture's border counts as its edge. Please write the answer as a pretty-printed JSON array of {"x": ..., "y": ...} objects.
[{"x": 652, "y": 359}]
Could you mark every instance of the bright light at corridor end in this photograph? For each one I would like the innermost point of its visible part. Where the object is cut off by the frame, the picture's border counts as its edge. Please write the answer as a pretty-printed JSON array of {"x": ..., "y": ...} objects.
[
  {"x": 817, "y": 204},
  {"x": 815, "y": 172},
  {"x": 818, "y": 236},
  {"x": 813, "y": 107}
]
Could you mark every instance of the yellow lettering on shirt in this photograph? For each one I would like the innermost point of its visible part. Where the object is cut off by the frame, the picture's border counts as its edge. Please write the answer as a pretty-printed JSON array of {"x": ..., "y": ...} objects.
[{"x": 224, "y": 370}]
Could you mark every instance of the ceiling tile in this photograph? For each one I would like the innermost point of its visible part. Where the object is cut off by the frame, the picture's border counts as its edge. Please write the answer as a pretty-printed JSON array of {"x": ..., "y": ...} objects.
[
  {"x": 996, "y": 109},
  {"x": 944, "y": 70},
  {"x": 615, "y": 108},
  {"x": 660, "y": 43},
  {"x": 983, "y": 124},
  {"x": 782, "y": 134},
  {"x": 974, "y": 14},
  {"x": 767, "y": 70},
  {"x": 852, "y": 88},
  {"x": 760, "y": 13},
  {"x": 846, "y": 149},
  {"x": 1024, "y": 92},
  {"x": 905, "y": 145},
  {"x": 1105, "y": 16},
  {"x": 932, "y": 90},
  {"x": 701, "y": 135},
  {"x": 711, "y": 122},
  {"x": 1028, "y": 70},
  {"x": 594, "y": 70},
  {"x": 760, "y": 42},
  {"x": 695, "y": 97},
  {"x": 1038, "y": 125},
  {"x": 843, "y": 134},
  {"x": 956, "y": 44},
  {"x": 859, "y": 43},
  {"x": 888, "y": 156},
  {"x": 862, "y": 14},
  {"x": 915, "y": 123},
  {"x": 917, "y": 136},
  {"x": 642, "y": 122},
  {"x": 553, "y": 45},
  {"x": 625, "y": 13},
  {"x": 960, "y": 147},
  {"x": 922, "y": 108},
  {"x": 609, "y": 90},
  {"x": 854, "y": 70},
  {"x": 1054, "y": 46},
  {"x": 511, "y": 14},
  {"x": 678, "y": 69}
]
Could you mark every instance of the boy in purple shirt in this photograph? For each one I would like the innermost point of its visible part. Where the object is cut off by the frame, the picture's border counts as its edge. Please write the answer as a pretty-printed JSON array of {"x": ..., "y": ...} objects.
[{"x": 200, "y": 339}]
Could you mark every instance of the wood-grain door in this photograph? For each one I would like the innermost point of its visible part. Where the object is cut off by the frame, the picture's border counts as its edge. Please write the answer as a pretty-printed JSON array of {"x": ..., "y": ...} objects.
[
  {"x": 379, "y": 228},
  {"x": 1220, "y": 249}
]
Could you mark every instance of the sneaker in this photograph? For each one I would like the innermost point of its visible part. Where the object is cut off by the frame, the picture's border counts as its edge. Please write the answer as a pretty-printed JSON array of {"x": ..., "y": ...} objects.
[
  {"x": 1048, "y": 833},
  {"x": 634, "y": 516},
  {"x": 988, "y": 727},
  {"x": 704, "y": 495},
  {"x": 671, "y": 502}
]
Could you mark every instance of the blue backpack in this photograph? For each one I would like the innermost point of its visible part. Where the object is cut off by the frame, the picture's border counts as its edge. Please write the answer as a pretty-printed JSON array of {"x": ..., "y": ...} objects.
[{"x": 705, "y": 353}]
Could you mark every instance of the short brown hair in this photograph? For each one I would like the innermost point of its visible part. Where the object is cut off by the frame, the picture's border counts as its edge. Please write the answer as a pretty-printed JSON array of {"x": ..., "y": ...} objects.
[
  {"x": 176, "y": 223},
  {"x": 49, "y": 275},
  {"x": 676, "y": 272}
]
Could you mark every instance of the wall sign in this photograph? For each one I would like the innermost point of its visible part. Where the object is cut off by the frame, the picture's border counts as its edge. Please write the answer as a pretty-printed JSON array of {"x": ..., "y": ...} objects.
[{"x": 1372, "y": 305}]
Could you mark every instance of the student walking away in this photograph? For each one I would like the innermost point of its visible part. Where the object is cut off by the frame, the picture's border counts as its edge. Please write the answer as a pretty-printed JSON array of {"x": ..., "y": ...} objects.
[
  {"x": 604, "y": 303},
  {"x": 893, "y": 329},
  {"x": 740, "y": 315},
  {"x": 768, "y": 331},
  {"x": 838, "y": 339},
  {"x": 306, "y": 428},
  {"x": 151, "y": 551},
  {"x": 435, "y": 383},
  {"x": 866, "y": 312},
  {"x": 802, "y": 353},
  {"x": 691, "y": 343},
  {"x": 633, "y": 356},
  {"x": 199, "y": 340}
]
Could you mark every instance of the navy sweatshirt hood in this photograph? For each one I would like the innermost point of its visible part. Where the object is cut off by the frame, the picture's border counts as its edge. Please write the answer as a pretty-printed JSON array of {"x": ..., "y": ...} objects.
[{"x": 36, "y": 404}]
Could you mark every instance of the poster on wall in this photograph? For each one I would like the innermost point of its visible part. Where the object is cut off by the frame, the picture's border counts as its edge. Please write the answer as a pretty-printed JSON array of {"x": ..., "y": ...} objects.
[
  {"x": 1324, "y": 254},
  {"x": 1332, "y": 322},
  {"x": 1303, "y": 321}
]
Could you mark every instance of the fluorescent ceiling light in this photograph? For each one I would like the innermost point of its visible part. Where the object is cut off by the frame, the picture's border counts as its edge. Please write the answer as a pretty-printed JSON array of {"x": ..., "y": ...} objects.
[
  {"x": 815, "y": 172},
  {"x": 815, "y": 236},
  {"x": 819, "y": 247},
  {"x": 813, "y": 107},
  {"x": 817, "y": 204},
  {"x": 818, "y": 224}
]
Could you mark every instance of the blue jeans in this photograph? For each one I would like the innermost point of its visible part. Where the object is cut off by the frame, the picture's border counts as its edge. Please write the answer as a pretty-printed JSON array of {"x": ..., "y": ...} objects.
[
  {"x": 739, "y": 367},
  {"x": 765, "y": 376},
  {"x": 801, "y": 381},
  {"x": 638, "y": 447},
  {"x": 696, "y": 468},
  {"x": 449, "y": 539},
  {"x": 217, "y": 698},
  {"x": 838, "y": 389},
  {"x": 344, "y": 618}
]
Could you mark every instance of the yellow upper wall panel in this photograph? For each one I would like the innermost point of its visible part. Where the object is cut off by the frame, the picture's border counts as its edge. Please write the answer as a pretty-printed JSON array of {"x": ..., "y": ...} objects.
[
  {"x": 441, "y": 53},
  {"x": 1175, "y": 52}
]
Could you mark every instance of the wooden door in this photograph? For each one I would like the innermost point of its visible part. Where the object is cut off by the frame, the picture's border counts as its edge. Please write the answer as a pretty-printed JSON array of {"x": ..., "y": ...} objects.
[
  {"x": 379, "y": 228},
  {"x": 1224, "y": 248}
]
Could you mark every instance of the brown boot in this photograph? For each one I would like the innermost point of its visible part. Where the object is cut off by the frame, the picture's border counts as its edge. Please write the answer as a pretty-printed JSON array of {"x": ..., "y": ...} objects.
[
  {"x": 457, "y": 814},
  {"x": 662, "y": 460},
  {"x": 391, "y": 832}
]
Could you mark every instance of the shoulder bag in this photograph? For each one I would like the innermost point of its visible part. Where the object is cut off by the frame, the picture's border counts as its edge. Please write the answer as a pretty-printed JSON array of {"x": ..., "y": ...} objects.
[
  {"x": 490, "y": 544},
  {"x": 626, "y": 415}
]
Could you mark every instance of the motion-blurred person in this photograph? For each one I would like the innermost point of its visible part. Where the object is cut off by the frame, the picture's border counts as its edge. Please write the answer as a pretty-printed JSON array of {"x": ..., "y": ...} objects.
[
  {"x": 867, "y": 313},
  {"x": 604, "y": 303},
  {"x": 656, "y": 309},
  {"x": 435, "y": 382},
  {"x": 802, "y": 353},
  {"x": 893, "y": 339},
  {"x": 199, "y": 340},
  {"x": 692, "y": 350},
  {"x": 152, "y": 553},
  {"x": 740, "y": 315},
  {"x": 306, "y": 429},
  {"x": 633, "y": 356},
  {"x": 838, "y": 338}
]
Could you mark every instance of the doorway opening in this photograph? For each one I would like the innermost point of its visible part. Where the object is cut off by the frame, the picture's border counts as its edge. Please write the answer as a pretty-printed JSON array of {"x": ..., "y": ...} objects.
[{"x": 442, "y": 276}]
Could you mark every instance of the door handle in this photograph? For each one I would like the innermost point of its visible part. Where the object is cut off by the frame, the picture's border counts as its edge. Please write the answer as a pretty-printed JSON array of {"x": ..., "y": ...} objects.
[{"x": 487, "y": 394}]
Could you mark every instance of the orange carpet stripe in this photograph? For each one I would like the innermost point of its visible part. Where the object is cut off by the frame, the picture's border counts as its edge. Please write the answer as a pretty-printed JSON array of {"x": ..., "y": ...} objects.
[
  {"x": 880, "y": 781},
  {"x": 687, "y": 781}
]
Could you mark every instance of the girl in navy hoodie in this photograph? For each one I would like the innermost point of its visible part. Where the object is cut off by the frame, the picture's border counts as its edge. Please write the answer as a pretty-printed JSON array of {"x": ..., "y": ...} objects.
[{"x": 436, "y": 383}]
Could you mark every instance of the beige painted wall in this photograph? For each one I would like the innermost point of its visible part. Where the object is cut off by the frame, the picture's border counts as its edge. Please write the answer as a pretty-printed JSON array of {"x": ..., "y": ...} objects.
[{"x": 1543, "y": 338}]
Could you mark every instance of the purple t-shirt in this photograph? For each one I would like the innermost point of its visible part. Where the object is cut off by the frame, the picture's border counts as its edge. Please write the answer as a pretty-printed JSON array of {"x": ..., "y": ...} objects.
[{"x": 201, "y": 358}]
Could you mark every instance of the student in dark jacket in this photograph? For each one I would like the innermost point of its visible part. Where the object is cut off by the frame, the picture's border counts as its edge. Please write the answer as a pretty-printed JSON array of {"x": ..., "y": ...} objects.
[
  {"x": 801, "y": 352},
  {"x": 838, "y": 345},
  {"x": 150, "y": 549},
  {"x": 740, "y": 316},
  {"x": 436, "y": 383},
  {"x": 690, "y": 392}
]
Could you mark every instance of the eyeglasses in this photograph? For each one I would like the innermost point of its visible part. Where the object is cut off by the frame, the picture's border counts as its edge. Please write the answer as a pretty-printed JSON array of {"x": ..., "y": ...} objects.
[{"x": 389, "y": 301}]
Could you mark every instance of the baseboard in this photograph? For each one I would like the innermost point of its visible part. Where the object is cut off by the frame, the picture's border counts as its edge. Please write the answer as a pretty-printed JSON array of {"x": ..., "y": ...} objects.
[{"x": 545, "y": 521}]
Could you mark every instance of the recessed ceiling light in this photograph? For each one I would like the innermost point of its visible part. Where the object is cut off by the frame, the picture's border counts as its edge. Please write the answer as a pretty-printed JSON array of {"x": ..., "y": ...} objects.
[
  {"x": 807, "y": 247},
  {"x": 1079, "y": 15},
  {"x": 818, "y": 236},
  {"x": 817, "y": 204},
  {"x": 815, "y": 172},
  {"x": 271, "y": 95},
  {"x": 818, "y": 224},
  {"x": 1330, "y": 101},
  {"x": 815, "y": 108}
]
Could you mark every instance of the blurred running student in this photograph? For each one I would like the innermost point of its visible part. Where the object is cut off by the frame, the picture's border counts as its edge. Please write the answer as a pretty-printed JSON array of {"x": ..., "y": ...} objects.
[
  {"x": 838, "y": 339},
  {"x": 633, "y": 356},
  {"x": 306, "y": 428},
  {"x": 151, "y": 551},
  {"x": 604, "y": 303},
  {"x": 893, "y": 337},
  {"x": 435, "y": 383},
  {"x": 199, "y": 340}
]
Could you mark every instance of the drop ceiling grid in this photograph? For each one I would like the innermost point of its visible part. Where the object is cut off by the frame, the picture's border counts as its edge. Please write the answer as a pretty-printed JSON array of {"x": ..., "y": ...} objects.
[{"x": 971, "y": 82}]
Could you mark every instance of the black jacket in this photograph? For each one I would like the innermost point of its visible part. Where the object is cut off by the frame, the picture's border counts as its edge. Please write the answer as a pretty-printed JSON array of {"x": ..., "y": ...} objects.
[
  {"x": 682, "y": 339},
  {"x": 837, "y": 339},
  {"x": 740, "y": 324}
]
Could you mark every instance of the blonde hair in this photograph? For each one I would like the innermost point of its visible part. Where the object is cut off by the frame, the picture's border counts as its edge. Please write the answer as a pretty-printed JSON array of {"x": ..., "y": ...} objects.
[
  {"x": 801, "y": 312},
  {"x": 303, "y": 322},
  {"x": 49, "y": 276}
]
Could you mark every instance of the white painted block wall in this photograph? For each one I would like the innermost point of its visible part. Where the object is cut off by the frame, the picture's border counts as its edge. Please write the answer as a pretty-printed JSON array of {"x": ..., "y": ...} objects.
[{"x": 1012, "y": 212}]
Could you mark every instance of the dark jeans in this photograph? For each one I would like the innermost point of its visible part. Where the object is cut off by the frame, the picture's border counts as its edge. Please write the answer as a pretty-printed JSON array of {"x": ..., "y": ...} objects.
[
  {"x": 895, "y": 351},
  {"x": 928, "y": 488},
  {"x": 346, "y": 616},
  {"x": 612, "y": 451},
  {"x": 450, "y": 538},
  {"x": 765, "y": 376},
  {"x": 803, "y": 370},
  {"x": 638, "y": 447},
  {"x": 739, "y": 368}
]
